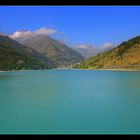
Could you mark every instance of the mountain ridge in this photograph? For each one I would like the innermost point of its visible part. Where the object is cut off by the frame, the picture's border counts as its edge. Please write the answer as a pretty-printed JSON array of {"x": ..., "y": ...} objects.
[
  {"x": 124, "y": 56},
  {"x": 59, "y": 53}
]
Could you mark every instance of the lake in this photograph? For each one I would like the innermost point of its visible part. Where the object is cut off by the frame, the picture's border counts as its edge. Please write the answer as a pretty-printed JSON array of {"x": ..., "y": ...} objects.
[{"x": 69, "y": 102}]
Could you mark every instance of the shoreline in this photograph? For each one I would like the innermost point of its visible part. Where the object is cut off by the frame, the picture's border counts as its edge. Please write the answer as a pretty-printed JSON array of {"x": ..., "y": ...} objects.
[
  {"x": 129, "y": 70},
  {"x": 111, "y": 70},
  {"x": 120, "y": 70}
]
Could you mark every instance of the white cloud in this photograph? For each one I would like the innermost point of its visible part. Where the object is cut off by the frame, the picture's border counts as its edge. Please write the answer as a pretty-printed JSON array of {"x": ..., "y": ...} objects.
[
  {"x": 19, "y": 34},
  {"x": 45, "y": 31},
  {"x": 107, "y": 45},
  {"x": 40, "y": 31},
  {"x": 82, "y": 46}
]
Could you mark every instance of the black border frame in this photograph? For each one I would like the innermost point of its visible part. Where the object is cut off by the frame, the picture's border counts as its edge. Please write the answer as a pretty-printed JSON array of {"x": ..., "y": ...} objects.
[{"x": 69, "y": 3}]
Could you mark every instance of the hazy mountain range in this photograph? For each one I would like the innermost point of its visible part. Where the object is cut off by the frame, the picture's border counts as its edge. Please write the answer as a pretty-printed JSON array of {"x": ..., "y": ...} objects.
[{"x": 88, "y": 50}]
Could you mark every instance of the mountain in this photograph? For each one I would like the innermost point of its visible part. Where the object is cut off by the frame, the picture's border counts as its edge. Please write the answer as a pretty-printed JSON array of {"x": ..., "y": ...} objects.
[
  {"x": 87, "y": 50},
  {"x": 124, "y": 56},
  {"x": 59, "y": 53},
  {"x": 15, "y": 56}
]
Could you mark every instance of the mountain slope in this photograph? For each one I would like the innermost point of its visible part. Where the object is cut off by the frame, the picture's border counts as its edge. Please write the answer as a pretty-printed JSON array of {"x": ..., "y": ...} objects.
[
  {"x": 56, "y": 51},
  {"x": 125, "y": 56},
  {"x": 14, "y": 55}
]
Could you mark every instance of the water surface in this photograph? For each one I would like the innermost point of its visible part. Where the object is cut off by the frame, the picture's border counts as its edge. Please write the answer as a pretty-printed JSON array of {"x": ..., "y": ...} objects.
[{"x": 69, "y": 102}]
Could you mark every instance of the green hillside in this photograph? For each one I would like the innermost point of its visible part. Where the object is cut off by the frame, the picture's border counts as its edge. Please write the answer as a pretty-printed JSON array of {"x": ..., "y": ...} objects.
[
  {"x": 125, "y": 56},
  {"x": 15, "y": 56}
]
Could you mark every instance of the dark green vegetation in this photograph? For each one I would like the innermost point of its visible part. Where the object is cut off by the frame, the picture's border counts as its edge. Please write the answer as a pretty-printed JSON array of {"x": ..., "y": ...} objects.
[
  {"x": 125, "y": 56},
  {"x": 59, "y": 53},
  {"x": 15, "y": 56}
]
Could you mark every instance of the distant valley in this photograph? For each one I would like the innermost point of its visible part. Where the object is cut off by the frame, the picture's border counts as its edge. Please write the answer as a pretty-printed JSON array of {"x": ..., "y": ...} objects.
[
  {"x": 88, "y": 51},
  {"x": 44, "y": 52}
]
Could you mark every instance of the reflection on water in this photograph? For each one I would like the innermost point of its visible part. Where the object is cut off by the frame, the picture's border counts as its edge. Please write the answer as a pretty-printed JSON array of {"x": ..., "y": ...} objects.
[
  {"x": 4, "y": 76},
  {"x": 69, "y": 101}
]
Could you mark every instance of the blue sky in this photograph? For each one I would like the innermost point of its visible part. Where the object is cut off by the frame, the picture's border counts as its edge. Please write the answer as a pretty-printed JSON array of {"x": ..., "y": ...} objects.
[{"x": 93, "y": 25}]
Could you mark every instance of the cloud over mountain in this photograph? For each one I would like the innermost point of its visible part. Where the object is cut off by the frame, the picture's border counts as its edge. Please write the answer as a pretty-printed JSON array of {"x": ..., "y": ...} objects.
[
  {"x": 83, "y": 46},
  {"x": 107, "y": 45},
  {"x": 26, "y": 34}
]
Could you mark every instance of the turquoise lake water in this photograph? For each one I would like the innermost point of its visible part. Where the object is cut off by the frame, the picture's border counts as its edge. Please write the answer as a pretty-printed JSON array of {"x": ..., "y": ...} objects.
[{"x": 69, "y": 102}]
